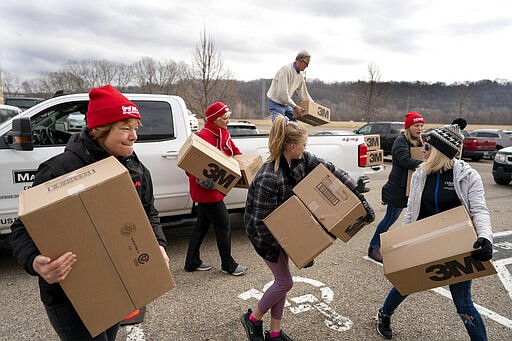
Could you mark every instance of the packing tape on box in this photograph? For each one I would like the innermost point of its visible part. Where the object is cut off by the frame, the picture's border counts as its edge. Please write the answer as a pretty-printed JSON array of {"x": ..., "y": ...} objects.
[{"x": 428, "y": 236}]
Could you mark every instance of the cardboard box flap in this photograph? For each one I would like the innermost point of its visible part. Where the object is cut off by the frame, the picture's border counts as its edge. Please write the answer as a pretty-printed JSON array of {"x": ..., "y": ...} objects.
[
  {"x": 427, "y": 240},
  {"x": 210, "y": 150},
  {"x": 74, "y": 182}
]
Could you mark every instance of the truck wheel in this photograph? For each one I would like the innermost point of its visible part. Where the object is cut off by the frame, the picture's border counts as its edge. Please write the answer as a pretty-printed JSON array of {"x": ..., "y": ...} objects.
[
  {"x": 501, "y": 181},
  {"x": 476, "y": 158}
]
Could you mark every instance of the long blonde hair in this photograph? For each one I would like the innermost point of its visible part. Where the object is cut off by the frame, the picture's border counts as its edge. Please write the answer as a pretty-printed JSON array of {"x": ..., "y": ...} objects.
[
  {"x": 436, "y": 161},
  {"x": 282, "y": 134}
]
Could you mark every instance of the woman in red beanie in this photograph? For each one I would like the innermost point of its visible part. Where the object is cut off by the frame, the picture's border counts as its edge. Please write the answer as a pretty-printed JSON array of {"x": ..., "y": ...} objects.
[
  {"x": 394, "y": 191},
  {"x": 112, "y": 123},
  {"x": 210, "y": 202}
]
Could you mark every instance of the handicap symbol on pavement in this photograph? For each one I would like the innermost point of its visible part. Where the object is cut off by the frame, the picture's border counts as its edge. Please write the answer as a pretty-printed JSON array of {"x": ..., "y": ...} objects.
[{"x": 307, "y": 302}]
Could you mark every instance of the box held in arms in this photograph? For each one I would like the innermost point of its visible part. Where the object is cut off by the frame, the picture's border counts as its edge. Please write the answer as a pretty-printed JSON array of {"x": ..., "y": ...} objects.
[
  {"x": 204, "y": 161},
  {"x": 416, "y": 154},
  {"x": 432, "y": 252},
  {"x": 332, "y": 203},
  {"x": 372, "y": 141},
  {"x": 249, "y": 166},
  {"x": 297, "y": 231},
  {"x": 95, "y": 212},
  {"x": 314, "y": 113}
]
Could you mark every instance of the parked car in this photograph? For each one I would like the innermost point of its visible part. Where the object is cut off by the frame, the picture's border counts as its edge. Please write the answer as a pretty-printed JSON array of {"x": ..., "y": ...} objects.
[
  {"x": 477, "y": 148},
  {"x": 502, "y": 138},
  {"x": 192, "y": 119},
  {"x": 335, "y": 132},
  {"x": 388, "y": 132},
  {"x": 242, "y": 128},
  {"x": 502, "y": 166},
  {"x": 76, "y": 121},
  {"x": 8, "y": 111}
]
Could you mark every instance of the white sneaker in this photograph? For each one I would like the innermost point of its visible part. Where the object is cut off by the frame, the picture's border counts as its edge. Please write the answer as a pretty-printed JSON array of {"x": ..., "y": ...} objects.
[
  {"x": 240, "y": 270},
  {"x": 204, "y": 267}
]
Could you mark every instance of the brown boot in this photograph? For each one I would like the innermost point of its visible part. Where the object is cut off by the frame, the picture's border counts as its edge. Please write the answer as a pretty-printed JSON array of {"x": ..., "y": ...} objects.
[{"x": 375, "y": 254}]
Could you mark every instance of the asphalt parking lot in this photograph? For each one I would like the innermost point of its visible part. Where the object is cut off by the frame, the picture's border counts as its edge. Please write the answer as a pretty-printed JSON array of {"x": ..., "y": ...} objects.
[{"x": 336, "y": 299}]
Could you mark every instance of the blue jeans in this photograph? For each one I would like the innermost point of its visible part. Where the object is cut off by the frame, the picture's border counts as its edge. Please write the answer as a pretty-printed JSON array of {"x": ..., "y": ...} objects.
[
  {"x": 392, "y": 214},
  {"x": 278, "y": 109},
  {"x": 461, "y": 295}
]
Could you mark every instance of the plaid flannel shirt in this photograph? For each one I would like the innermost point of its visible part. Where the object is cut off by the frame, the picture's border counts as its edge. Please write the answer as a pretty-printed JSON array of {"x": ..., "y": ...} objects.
[{"x": 269, "y": 189}]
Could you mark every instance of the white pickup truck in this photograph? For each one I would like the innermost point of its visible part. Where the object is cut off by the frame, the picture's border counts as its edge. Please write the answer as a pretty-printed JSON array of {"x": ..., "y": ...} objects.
[{"x": 42, "y": 131}]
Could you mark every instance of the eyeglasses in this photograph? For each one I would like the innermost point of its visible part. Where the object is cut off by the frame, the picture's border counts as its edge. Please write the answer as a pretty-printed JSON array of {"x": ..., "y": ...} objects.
[
  {"x": 426, "y": 147},
  {"x": 307, "y": 64}
]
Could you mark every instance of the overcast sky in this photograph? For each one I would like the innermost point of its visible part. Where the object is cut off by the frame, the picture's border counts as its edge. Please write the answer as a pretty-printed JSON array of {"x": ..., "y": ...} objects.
[{"x": 428, "y": 40}]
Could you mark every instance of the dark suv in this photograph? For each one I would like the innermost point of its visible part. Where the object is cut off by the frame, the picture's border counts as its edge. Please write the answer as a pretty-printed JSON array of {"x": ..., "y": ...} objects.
[{"x": 388, "y": 132}]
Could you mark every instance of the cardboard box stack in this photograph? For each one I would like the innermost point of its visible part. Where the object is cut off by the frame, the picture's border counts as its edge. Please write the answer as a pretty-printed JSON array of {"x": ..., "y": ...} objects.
[
  {"x": 375, "y": 155},
  {"x": 95, "y": 212},
  {"x": 249, "y": 166},
  {"x": 416, "y": 154},
  {"x": 315, "y": 114},
  {"x": 321, "y": 209},
  {"x": 297, "y": 231},
  {"x": 204, "y": 161},
  {"x": 332, "y": 203},
  {"x": 432, "y": 252}
]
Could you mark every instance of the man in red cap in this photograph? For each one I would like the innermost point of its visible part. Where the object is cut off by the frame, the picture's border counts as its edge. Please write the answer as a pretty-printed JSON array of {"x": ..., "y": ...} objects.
[
  {"x": 112, "y": 123},
  {"x": 210, "y": 202}
]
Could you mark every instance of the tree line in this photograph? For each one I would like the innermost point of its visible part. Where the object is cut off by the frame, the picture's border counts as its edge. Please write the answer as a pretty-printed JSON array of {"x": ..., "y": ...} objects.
[{"x": 207, "y": 80}]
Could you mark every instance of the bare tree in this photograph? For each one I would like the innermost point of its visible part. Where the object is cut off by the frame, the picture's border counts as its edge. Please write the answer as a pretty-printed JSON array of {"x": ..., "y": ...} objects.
[
  {"x": 371, "y": 97},
  {"x": 462, "y": 91},
  {"x": 209, "y": 78}
]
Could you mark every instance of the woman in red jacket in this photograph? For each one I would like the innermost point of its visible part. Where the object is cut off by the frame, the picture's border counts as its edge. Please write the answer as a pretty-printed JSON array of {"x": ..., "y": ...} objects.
[{"x": 210, "y": 202}]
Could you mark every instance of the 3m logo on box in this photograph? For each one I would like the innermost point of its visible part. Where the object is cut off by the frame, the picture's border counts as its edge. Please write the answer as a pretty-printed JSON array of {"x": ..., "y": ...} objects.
[
  {"x": 219, "y": 175},
  {"x": 454, "y": 268}
]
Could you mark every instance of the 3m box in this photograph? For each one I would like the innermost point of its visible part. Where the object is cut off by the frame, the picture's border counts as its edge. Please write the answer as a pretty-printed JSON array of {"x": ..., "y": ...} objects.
[
  {"x": 249, "y": 166},
  {"x": 297, "y": 231},
  {"x": 416, "y": 154},
  {"x": 432, "y": 252},
  {"x": 372, "y": 141},
  {"x": 314, "y": 113},
  {"x": 374, "y": 157},
  {"x": 331, "y": 202},
  {"x": 204, "y": 161},
  {"x": 95, "y": 212}
]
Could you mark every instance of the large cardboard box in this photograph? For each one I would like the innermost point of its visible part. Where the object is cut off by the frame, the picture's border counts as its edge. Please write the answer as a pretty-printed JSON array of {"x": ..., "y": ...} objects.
[
  {"x": 432, "y": 252},
  {"x": 249, "y": 166},
  {"x": 314, "y": 113},
  {"x": 95, "y": 212},
  {"x": 297, "y": 231},
  {"x": 331, "y": 202},
  {"x": 204, "y": 161},
  {"x": 374, "y": 157},
  {"x": 416, "y": 154}
]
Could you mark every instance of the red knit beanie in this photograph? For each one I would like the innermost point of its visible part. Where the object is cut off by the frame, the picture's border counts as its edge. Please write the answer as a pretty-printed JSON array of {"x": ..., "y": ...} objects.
[
  {"x": 412, "y": 118},
  {"x": 107, "y": 105},
  {"x": 215, "y": 111}
]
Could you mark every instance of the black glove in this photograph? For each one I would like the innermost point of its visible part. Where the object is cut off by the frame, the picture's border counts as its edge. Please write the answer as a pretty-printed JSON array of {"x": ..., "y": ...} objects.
[
  {"x": 370, "y": 215},
  {"x": 208, "y": 184},
  {"x": 484, "y": 251}
]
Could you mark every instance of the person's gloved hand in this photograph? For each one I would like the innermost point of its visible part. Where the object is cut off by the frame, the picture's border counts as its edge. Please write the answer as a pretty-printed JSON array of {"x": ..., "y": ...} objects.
[
  {"x": 484, "y": 251},
  {"x": 370, "y": 215},
  {"x": 208, "y": 184}
]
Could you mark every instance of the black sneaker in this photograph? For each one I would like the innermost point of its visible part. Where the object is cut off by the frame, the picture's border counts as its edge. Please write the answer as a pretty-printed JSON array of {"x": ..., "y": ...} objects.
[
  {"x": 384, "y": 325},
  {"x": 375, "y": 254},
  {"x": 254, "y": 331},
  {"x": 282, "y": 337}
]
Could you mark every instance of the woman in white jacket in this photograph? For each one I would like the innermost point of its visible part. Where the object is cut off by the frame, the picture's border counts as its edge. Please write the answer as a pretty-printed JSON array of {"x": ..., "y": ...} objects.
[{"x": 441, "y": 183}]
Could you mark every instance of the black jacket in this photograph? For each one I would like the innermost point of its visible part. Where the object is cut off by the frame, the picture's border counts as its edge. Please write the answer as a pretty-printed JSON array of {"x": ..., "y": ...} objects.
[
  {"x": 393, "y": 192},
  {"x": 80, "y": 151}
]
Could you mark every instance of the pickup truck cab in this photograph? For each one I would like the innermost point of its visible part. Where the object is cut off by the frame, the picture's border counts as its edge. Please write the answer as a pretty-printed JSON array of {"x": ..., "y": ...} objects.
[{"x": 41, "y": 132}]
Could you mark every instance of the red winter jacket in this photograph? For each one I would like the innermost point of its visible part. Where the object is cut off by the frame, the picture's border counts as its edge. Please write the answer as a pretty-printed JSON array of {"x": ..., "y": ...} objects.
[{"x": 217, "y": 137}]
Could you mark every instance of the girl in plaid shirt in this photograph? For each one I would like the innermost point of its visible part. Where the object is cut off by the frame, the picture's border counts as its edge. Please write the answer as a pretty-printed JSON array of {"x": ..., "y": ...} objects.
[{"x": 286, "y": 166}]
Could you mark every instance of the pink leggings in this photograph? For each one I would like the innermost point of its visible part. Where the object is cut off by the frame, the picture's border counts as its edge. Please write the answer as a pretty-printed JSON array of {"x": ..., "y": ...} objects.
[{"x": 274, "y": 297}]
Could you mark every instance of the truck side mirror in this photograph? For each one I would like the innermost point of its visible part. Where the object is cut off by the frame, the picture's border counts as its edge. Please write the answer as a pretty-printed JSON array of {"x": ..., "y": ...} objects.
[{"x": 20, "y": 137}]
